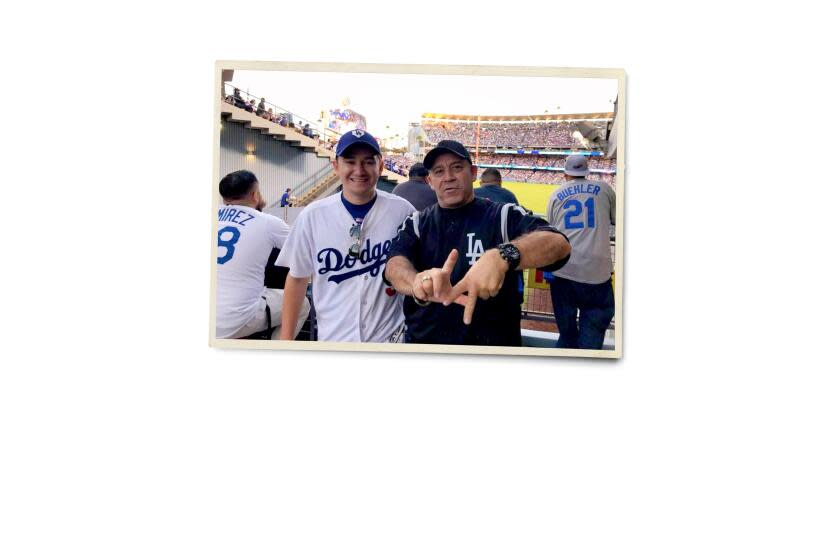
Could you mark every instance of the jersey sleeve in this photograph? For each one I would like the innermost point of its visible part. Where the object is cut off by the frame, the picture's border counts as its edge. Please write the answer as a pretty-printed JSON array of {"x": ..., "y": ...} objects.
[
  {"x": 278, "y": 230},
  {"x": 611, "y": 195},
  {"x": 296, "y": 254},
  {"x": 407, "y": 241}
]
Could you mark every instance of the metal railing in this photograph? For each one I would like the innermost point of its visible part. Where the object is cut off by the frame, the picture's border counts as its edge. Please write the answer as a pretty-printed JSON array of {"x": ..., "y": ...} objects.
[{"x": 302, "y": 188}]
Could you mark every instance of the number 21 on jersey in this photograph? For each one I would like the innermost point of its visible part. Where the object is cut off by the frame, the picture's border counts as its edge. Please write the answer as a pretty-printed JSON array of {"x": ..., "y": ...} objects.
[
  {"x": 576, "y": 209},
  {"x": 228, "y": 243}
]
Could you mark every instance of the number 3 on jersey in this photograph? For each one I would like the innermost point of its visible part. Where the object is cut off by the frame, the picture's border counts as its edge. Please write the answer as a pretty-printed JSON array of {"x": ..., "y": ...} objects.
[
  {"x": 228, "y": 243},
  {"x": 576, "y": 210}
]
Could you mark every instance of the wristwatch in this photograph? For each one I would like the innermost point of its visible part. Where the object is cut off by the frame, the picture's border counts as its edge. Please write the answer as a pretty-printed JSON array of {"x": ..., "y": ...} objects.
[{"x": 511, "y": 254}]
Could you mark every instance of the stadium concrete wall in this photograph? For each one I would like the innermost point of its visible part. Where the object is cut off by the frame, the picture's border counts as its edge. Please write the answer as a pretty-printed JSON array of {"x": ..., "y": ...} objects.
[{"x": 277, "y": 164}]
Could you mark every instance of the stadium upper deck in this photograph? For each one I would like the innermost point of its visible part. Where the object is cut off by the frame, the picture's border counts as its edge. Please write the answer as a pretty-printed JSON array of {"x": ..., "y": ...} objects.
[{"x": 569, "y": 131}]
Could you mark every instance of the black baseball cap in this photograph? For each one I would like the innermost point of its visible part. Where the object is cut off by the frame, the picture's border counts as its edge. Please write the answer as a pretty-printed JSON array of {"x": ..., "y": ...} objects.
[
  {"x": 444, "y": 146},
  {"x": 418, "y": 170}
]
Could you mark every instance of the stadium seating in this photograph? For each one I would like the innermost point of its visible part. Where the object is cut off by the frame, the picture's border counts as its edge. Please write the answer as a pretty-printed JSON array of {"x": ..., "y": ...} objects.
[{"x": 552, "y": 134}]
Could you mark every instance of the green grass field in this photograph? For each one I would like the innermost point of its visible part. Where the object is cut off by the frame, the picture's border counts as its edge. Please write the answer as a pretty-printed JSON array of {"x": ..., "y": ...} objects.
[{"x": 533, "y": 196}]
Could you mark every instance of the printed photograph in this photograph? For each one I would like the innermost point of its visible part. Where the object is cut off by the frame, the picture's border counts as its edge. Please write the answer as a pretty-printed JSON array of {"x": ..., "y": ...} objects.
[{"x": 418, "y": 209}]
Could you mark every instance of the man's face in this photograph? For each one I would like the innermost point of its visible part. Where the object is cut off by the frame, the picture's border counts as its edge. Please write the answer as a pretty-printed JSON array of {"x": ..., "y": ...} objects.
[
  {"x": 359, "y": 169},
  {"x": 451, "y": 178}
]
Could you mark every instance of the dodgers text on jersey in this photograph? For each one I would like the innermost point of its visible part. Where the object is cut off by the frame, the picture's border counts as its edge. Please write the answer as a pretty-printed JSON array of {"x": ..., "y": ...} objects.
[{"x": 372, "y": 257}]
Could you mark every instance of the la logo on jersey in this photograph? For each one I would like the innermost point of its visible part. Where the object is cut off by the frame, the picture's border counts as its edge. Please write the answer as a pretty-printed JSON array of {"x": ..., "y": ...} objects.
[{"x": 474, "y": 250}]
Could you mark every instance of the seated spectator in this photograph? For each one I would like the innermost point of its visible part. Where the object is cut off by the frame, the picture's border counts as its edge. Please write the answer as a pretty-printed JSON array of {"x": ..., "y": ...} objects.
[
  {"x": 237, "y": 99},
  {"x": 250, "y": 107},
  {"x": 261, "y": 107},
  {"x": 246, "y": 237}
]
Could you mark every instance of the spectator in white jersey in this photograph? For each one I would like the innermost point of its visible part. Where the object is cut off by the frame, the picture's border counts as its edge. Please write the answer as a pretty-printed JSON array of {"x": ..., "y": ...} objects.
[
  {"x": 583, "y": 209},
  {"x": 246, "y": 237},
  {"x": 342, "y": 243}
]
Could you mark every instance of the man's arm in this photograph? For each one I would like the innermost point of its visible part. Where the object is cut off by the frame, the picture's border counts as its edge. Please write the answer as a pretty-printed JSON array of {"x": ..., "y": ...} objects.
[
  {"x": 401, "y": 274},
  {"x": 293, "y": 294},
  {"x": 541, "y": 248}
]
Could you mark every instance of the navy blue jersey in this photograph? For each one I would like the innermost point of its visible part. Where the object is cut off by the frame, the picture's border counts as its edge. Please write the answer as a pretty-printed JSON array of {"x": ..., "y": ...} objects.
[
  {"x": 496, "y": 193},
  {"x": 426, "y": 239}
]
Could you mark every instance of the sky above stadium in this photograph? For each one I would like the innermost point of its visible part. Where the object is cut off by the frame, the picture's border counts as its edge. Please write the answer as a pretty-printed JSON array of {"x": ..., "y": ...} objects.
[{"x": 390, "y": 102}]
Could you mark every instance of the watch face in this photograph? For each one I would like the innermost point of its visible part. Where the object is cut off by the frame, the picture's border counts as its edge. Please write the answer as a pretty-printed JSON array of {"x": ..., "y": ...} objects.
[{"x": 510, "y": 253}]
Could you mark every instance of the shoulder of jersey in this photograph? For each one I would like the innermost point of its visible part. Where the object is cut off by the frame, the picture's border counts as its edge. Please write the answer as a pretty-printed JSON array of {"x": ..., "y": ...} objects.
[{"x": 268, "y": 216}]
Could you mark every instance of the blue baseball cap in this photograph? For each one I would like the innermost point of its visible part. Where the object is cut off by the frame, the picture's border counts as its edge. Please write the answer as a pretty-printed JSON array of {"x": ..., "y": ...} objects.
[{"x": 354, "y": 137}]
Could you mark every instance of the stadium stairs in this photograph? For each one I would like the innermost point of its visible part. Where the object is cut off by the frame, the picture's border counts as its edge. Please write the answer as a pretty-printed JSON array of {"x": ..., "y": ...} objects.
[{"x": 327, "y": 185}]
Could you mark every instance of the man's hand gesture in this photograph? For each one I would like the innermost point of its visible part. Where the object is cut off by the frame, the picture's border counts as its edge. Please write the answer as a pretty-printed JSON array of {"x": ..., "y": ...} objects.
[
  {"x": 435, "y": 284},
  {"x": 483, "y": 280}
]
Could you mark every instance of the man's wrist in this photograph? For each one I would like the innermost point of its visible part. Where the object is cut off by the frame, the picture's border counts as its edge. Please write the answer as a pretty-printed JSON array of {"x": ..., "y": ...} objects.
[{"x": 509, "y": 253}]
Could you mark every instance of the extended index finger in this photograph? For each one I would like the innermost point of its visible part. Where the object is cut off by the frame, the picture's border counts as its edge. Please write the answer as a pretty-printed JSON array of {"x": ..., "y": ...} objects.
[
  {"x": 469, "y": 306},
  {"x": 450, "y": 261}
]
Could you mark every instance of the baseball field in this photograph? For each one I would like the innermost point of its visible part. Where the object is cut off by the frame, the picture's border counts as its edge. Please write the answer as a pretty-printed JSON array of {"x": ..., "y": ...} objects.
[{"x": 533, "y": 196}]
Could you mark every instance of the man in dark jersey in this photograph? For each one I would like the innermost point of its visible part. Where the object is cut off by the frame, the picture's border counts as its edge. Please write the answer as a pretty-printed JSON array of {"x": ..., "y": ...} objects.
[
  {"x": 417, "y": 190},
  {"x": 475, "y": 244},
  {"x": 491, "y": 187}
]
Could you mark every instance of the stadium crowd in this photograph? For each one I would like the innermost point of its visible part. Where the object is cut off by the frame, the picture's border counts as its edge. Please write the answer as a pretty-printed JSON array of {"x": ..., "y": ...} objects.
[
  {"x": 543, "y": 176},
  {"x": 508, "y": 134},
  {"x": 398, "y": 164}
]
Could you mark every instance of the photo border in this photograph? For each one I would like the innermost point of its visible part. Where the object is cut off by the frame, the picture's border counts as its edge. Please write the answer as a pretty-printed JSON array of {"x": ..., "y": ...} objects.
[{"x": 434, "y": 69}]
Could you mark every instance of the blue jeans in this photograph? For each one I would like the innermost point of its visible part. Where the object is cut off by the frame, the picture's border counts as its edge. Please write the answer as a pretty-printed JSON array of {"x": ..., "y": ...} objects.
[{"x": 596, "y": 303}]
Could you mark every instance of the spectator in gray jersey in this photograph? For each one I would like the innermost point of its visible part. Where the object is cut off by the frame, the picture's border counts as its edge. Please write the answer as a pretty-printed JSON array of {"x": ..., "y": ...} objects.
[{"x": 582, "y": 292}]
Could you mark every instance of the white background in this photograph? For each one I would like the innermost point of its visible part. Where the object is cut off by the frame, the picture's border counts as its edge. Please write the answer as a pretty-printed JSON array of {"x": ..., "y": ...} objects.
[{"x": 124, "y": 436}]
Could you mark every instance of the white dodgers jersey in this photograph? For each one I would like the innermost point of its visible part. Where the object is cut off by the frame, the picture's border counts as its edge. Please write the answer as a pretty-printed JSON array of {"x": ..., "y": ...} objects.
[
  {"x": 245, "y": 239},
  {"x": 352, "y": 303}
]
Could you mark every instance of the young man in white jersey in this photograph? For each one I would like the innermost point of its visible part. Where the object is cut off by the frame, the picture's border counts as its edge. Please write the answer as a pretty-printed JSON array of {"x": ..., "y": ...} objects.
[
  {"x": 246, "y": 237},
  {"x": 584, "y": 210},
  {"x": 342, "y": 243}
]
